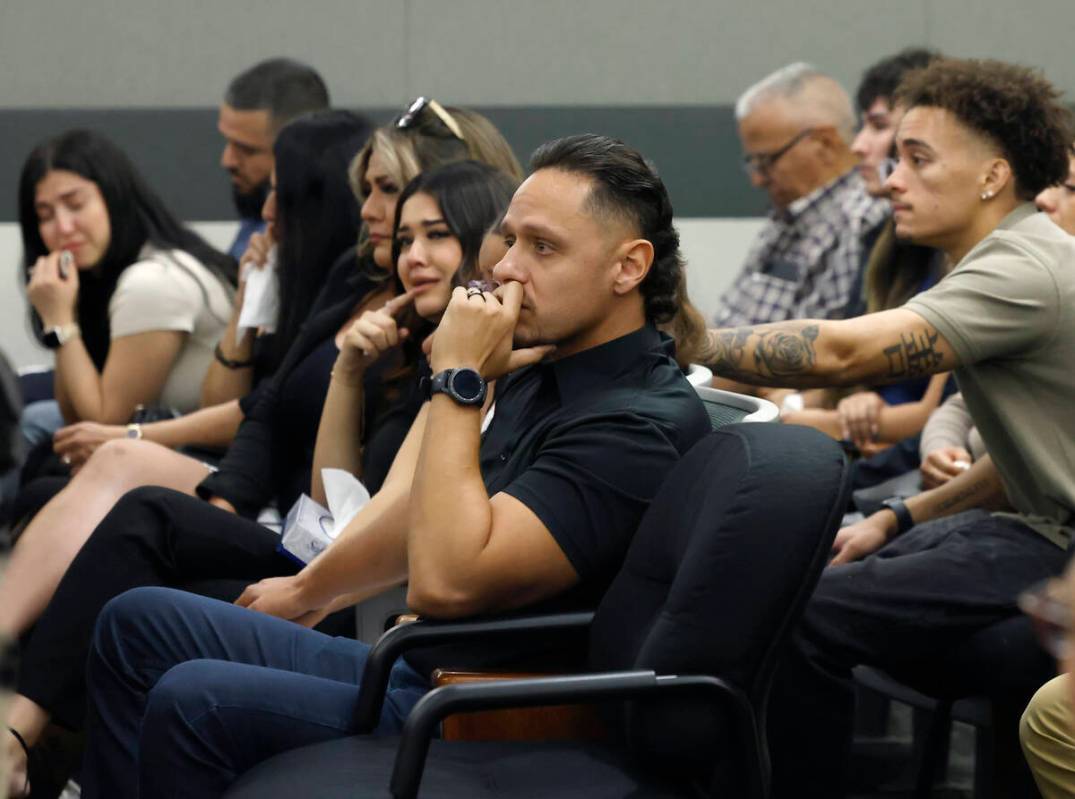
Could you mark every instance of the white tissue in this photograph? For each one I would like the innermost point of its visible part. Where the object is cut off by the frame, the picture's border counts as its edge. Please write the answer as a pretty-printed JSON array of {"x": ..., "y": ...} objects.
[
  {"x": 261, "y": 301},
  {"x": 345, "y": 496},
  {"x": 310, "y": 529}
]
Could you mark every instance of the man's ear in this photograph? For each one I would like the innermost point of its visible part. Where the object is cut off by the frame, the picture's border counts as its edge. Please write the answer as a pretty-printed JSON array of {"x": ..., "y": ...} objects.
[
  {"x": 997, "y": 175},
  {"x": 829, "y": 143},
  {"x": 635, "y": 260}
]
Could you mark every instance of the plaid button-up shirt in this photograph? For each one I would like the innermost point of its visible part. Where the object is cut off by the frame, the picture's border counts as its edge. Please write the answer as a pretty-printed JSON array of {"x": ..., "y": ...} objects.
[{"x": 807, "y": 258}]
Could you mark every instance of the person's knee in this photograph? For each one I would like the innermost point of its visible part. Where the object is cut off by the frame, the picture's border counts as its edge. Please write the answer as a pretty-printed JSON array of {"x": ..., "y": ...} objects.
[
  {"x": 1048, "y": 718},
  {"x": 122, "y": 618},
  {"x": 139, "y": 503},
  {"x": 118, "y": 461},
  {"x": 181, "y": 695}
]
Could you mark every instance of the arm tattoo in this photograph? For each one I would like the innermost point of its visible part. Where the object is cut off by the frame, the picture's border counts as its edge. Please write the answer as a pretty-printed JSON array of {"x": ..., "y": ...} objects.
[
  {"x": 958, "y": 499},
  {"x": 781, "y": 354},
  {"x": 915, "y": 355},
  {"x": 779, "y": 351},
  {"x": 726, "y": 349}
]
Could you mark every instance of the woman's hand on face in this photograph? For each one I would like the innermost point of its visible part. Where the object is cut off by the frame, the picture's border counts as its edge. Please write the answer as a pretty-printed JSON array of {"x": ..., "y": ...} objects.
[
  {"x": 257, "y": 251},
  {"x": 77, "y": 442},
  {"x": 53, "y": 295},
  {"x": 371, "y": 336}
]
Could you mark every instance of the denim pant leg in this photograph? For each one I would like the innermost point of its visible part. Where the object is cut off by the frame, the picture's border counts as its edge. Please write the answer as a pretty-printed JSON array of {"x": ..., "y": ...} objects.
[
  {"x": 39, "y": 420},
  {"x": 897, "y": 609},
  {"x": 186, "y": 693}
]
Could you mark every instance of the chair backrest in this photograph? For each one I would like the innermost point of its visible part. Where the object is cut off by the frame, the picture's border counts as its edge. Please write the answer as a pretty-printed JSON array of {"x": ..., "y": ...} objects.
[
  {"x": 698, "y": 375},
  {"x": 718, "y": 572},
  {"x": 727, "y": 407}
]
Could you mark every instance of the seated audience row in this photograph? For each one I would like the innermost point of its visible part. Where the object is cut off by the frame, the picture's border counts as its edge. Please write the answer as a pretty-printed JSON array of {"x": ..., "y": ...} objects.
[
  {"x": 512, "y": 475},
  {"x": 940, "y": 567},
  {"x": 272, "y": 457}
]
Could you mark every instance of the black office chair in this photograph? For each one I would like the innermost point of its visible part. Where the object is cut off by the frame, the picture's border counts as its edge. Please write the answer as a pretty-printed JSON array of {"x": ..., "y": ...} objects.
[
  {"x": 728, "y": 407},
  {"x": 684, "y": 644}
]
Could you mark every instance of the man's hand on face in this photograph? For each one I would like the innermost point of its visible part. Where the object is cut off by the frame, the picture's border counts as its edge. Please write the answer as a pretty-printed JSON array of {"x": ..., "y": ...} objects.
[{"x": 476, "y": 332}]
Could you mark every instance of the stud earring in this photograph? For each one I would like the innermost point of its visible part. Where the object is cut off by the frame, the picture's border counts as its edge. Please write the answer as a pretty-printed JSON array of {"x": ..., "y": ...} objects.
[{"x": 987, "y": 195}]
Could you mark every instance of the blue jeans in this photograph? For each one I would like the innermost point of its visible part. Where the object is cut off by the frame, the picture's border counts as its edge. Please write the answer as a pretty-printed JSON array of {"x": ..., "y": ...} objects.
[
  {"x": 39, "y": 420},
  {"x": 186, "y": 693}
]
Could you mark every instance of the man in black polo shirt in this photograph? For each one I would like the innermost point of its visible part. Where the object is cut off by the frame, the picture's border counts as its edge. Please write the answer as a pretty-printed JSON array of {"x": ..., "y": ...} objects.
[{"x": 189, "y": 692}]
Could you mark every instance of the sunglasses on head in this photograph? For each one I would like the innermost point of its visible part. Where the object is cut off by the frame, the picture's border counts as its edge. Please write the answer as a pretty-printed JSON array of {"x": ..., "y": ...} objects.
[{"x": 410, "y": 117}]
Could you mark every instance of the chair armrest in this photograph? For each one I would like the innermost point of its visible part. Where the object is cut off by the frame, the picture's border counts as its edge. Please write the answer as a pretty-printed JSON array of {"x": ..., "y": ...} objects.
[
  {"x": 431, "y": 709},
  {"x": 404, "y": 637}
]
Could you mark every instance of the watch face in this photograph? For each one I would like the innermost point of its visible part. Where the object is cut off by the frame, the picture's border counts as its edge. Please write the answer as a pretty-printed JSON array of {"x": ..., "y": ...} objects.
[{"x": 467, "y": 384}]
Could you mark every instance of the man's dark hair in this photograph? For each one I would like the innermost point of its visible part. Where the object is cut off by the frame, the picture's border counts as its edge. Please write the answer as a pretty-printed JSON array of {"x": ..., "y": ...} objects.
[
  {"x": 281, "y": 86},
  {"x": 880, "y": 80},
  {"x": 1013, "y": 106},
  {"x": 625, "y": 185}
]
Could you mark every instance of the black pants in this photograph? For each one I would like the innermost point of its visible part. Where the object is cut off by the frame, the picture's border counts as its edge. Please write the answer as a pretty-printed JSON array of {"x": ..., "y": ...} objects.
[
  {"x": 902, "y": 609},
  {"x": 152, "y": 537}
]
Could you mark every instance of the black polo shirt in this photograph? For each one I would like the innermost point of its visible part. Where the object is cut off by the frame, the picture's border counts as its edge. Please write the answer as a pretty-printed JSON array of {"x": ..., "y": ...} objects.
[{"x": 585, "y": 442}]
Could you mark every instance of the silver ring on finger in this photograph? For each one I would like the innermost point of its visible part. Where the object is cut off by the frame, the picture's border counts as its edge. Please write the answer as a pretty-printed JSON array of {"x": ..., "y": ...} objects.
[{"x": 476, "y": 293}]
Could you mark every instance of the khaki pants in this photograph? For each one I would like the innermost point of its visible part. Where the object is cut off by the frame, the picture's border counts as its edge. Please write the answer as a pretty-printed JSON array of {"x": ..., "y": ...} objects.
[{"x": 1047, "y": 732}]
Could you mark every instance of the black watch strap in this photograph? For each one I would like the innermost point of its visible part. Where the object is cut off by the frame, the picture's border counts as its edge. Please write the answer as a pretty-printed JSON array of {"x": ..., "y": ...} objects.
[
  {"x": 447, "y": 382},
  {"x": 904, "y": 522}
]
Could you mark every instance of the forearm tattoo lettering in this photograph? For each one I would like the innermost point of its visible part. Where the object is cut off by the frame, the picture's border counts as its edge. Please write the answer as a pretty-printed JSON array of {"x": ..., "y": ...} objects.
[{"x": 915, "y": 355}]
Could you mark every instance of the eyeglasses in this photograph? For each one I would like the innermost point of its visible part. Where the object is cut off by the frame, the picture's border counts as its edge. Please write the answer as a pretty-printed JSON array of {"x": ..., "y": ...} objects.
[
  {"x": 410, "y": 117},
  {"x": 1048, "y": 606},
  {"x": 761, "y": 163}
]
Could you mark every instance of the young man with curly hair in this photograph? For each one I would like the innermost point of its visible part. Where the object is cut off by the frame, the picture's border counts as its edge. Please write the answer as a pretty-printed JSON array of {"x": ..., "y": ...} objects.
[
  {"x": 979, "y": 140},
  {"x": 539, "y": 508}
]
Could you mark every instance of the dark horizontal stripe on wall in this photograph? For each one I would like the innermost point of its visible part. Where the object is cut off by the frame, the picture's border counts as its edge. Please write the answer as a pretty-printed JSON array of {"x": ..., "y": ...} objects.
[{"x": 695, "y": 149}]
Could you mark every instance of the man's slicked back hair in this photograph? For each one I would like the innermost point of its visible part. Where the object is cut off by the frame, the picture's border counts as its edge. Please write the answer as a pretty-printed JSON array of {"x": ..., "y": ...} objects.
[
  {"x": 627, "y": 187},
  {"x": 880, "y": 80},
  {"x": 281, "y": 86},
  {"x": 1014, "y": 107}
]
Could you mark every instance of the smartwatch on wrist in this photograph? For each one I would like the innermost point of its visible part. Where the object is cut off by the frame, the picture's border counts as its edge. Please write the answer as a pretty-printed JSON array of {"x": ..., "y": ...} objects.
[
  {"x": 904, "y": 522},
  {"x": 465, "y": 386},
  {"x": 56, "y": 337}
]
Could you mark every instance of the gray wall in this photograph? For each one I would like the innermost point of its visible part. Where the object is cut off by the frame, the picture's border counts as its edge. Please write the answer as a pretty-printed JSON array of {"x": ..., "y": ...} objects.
[
  {"x": 112, "y": 53},
  {"x": 661, "y": 75}
]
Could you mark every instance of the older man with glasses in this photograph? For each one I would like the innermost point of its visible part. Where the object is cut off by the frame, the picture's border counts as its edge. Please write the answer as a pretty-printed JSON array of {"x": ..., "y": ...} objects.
[{"x": 796, "y": 127}]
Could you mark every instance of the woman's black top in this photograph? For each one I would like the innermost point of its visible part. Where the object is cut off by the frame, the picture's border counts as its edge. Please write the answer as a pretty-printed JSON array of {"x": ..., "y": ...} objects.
[{"x": 271, "y": 458}]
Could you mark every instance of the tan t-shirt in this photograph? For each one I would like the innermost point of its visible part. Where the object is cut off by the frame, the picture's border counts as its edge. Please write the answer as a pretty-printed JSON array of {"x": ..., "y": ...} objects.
[
  {"x": 173, "y": 291},
  {"x": 1008, "y": 311}
]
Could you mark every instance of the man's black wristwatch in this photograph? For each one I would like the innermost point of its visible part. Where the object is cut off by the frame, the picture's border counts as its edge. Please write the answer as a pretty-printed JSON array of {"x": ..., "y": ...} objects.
[
  {"x": 904, "y": 522},
  {"x": 465, "y": 386}
]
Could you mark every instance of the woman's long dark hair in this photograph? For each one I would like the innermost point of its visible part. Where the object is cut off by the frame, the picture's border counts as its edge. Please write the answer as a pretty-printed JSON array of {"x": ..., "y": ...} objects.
[
  {"x": 136, "y": 214},
  {"x": 317, "y": 215}
]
